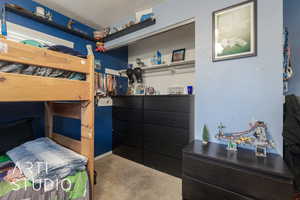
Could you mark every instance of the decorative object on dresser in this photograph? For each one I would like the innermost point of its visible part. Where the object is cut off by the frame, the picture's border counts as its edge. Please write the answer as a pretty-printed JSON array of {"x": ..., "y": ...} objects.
[
  {"x": 211, "y": 172},
  {"x": 235, "y": 31},
  {"x": 205, "y": 135},
  {"x": 153, "y": 130},
  {"x": 257, "y": 136}
]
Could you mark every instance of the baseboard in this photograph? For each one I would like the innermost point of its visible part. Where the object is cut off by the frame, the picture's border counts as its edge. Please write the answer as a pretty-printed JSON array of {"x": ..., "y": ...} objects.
[{"x": 103, "y": 155}]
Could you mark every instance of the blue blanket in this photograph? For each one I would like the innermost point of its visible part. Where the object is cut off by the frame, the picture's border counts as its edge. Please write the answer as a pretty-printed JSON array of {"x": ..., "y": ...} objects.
[{"x": 43, "y": 159}]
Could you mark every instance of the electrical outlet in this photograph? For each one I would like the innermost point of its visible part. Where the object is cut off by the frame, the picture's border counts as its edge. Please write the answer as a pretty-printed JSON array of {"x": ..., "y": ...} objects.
[{"x": 107, "y": 101}]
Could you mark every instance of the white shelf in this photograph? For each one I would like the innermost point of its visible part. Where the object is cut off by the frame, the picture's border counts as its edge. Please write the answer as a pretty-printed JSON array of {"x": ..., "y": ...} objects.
[
  {"x": 132, "y": 38},
  {"x": 178, "y": 64},
  {"x": 170, "y": 66}
]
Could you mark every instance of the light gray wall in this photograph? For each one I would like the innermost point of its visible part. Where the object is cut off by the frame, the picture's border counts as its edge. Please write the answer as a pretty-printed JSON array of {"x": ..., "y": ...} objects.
[{"x": 237, "y": 91}]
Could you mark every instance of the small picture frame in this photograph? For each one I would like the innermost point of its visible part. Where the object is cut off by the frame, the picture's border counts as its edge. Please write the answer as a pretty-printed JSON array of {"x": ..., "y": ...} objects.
[
  {"x": 178, "y": 55},
  {"x": 235, "y": 31}
]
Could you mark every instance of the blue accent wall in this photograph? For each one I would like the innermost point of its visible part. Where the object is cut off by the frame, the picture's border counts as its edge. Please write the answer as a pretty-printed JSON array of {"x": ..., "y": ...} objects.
[
  {"x": 291, "y": 21},
  {"x": 115, "y": 59},
  {"x": 69, "y": 127},
  {"x": 17, "y": 111}
]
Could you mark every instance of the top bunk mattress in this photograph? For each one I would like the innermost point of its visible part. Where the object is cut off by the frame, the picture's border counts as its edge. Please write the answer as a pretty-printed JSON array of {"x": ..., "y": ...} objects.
[{"x": 9, "y": 67}]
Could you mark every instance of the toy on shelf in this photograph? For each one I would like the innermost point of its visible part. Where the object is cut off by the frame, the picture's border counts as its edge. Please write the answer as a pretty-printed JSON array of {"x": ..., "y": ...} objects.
[
  {"x": 100, "y": 47},
  {"x": 147, "y": 16},
  {"x": 130, "y": 23},
  {"x": 140, "y": 63},
  {"x": 70, "y": 24},
  {"x": 40, "y": 11},
  {"x": 100, "y": 35},
  {"x": 157, "y": 58},
  {"x": 256, "y": 136},
  {"x": 114, "y": 30},
  {"x": 49, "y": 15},
  {"x": 106, "y": 31}
]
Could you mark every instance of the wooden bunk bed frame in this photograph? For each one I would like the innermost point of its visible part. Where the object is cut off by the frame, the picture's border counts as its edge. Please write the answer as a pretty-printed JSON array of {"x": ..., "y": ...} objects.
[{"x": 52, "y": 91}]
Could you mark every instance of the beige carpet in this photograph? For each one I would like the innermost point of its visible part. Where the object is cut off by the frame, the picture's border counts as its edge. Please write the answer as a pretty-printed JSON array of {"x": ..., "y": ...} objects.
[{"x": 121, "y": 179}]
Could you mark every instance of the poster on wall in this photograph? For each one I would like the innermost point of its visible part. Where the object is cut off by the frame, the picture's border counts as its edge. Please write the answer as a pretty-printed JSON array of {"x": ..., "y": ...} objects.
[{"x": 235, "y": 31}]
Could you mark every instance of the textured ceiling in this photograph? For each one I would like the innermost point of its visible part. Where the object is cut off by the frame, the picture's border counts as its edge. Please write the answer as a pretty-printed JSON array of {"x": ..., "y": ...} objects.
[{"x": 99, "y": 13}]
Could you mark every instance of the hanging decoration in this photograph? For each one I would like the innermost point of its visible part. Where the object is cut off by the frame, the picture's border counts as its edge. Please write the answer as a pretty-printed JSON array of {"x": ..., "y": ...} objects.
[
  {"x": 3, "y": 23},
  {"x": 287, "y": 62}
]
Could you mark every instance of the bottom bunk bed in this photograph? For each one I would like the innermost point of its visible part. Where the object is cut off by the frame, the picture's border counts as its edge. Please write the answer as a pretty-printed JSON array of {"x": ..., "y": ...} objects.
[
  {"x": 39, "y": 169},
  {"x": 13, "y": 186}
]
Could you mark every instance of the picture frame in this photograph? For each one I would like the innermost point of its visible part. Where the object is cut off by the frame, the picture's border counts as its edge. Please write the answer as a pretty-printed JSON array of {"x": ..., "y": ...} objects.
[
  {"x": 235, "y": 31},
  {"x": 178, "y": 55}
]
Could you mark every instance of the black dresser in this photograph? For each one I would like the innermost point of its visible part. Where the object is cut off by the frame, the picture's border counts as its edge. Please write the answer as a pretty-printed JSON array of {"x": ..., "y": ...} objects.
[
  {"x": 153, "y": 130},
  {"x": 128, "y": 119},
  {"x": 210, "y": 172}
]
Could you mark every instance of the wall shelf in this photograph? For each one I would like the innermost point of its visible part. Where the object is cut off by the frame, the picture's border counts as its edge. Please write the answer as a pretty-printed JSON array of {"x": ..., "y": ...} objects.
[
  {"x": 30, "y": 15},
  {"x": 128, "y": 41},
  {"x": 170, "y": 66},
  {"x": 131, "y": 29}
]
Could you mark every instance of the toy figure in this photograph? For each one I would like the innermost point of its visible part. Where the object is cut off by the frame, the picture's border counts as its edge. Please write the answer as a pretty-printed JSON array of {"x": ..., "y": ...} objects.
[
  {"x": 70, "y": 24},
  {"x": 140, "y": 63},
  {"x": 100, "y": 47},
  {"x": 106, "y": 31},
  {"x": 221, "y": 129},
  {"x": 231, "y": 146}
]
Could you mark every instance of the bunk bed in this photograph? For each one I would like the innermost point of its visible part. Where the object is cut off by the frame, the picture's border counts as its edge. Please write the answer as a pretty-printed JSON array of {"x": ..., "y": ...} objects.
[{"x": 62, "y": 97}]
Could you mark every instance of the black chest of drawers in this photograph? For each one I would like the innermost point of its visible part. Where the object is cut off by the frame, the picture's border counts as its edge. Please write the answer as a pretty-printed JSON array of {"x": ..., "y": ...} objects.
[
  {"x": 153, "y": 130},
  {"x": 210, "y": 172}
]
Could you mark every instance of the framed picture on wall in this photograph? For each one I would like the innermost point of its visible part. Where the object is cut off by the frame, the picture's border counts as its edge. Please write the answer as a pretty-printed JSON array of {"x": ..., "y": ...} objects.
[
  {"x": 235, "y": 31},
  {"x": 178, "y": 55}
]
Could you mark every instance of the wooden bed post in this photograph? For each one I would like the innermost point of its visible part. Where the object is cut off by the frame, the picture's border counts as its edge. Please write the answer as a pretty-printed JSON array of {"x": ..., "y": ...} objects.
[
  {"x": 48, "y": 120},
  {"x": 87, "y": 124}
]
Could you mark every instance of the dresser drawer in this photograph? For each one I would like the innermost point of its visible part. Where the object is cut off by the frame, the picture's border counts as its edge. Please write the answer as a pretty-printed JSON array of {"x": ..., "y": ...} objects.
[
  {"x": 128, "y": 102},
  {"x": 122, "y": 149},
  {"x": 168, "y": 104},
  {"x": 193, "y": 189},
  {"x": 128, "y": 126},
  {"x": 124, "y": 114},
  {"x": 178, "y": 120},
  {"x": 163, "y": 163},
  {"x": 129, "y": 138},
  {"x": 165, "y": 140},
  {"x": 253, "y": 184},
  {"x": 166, "y": 134}
]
